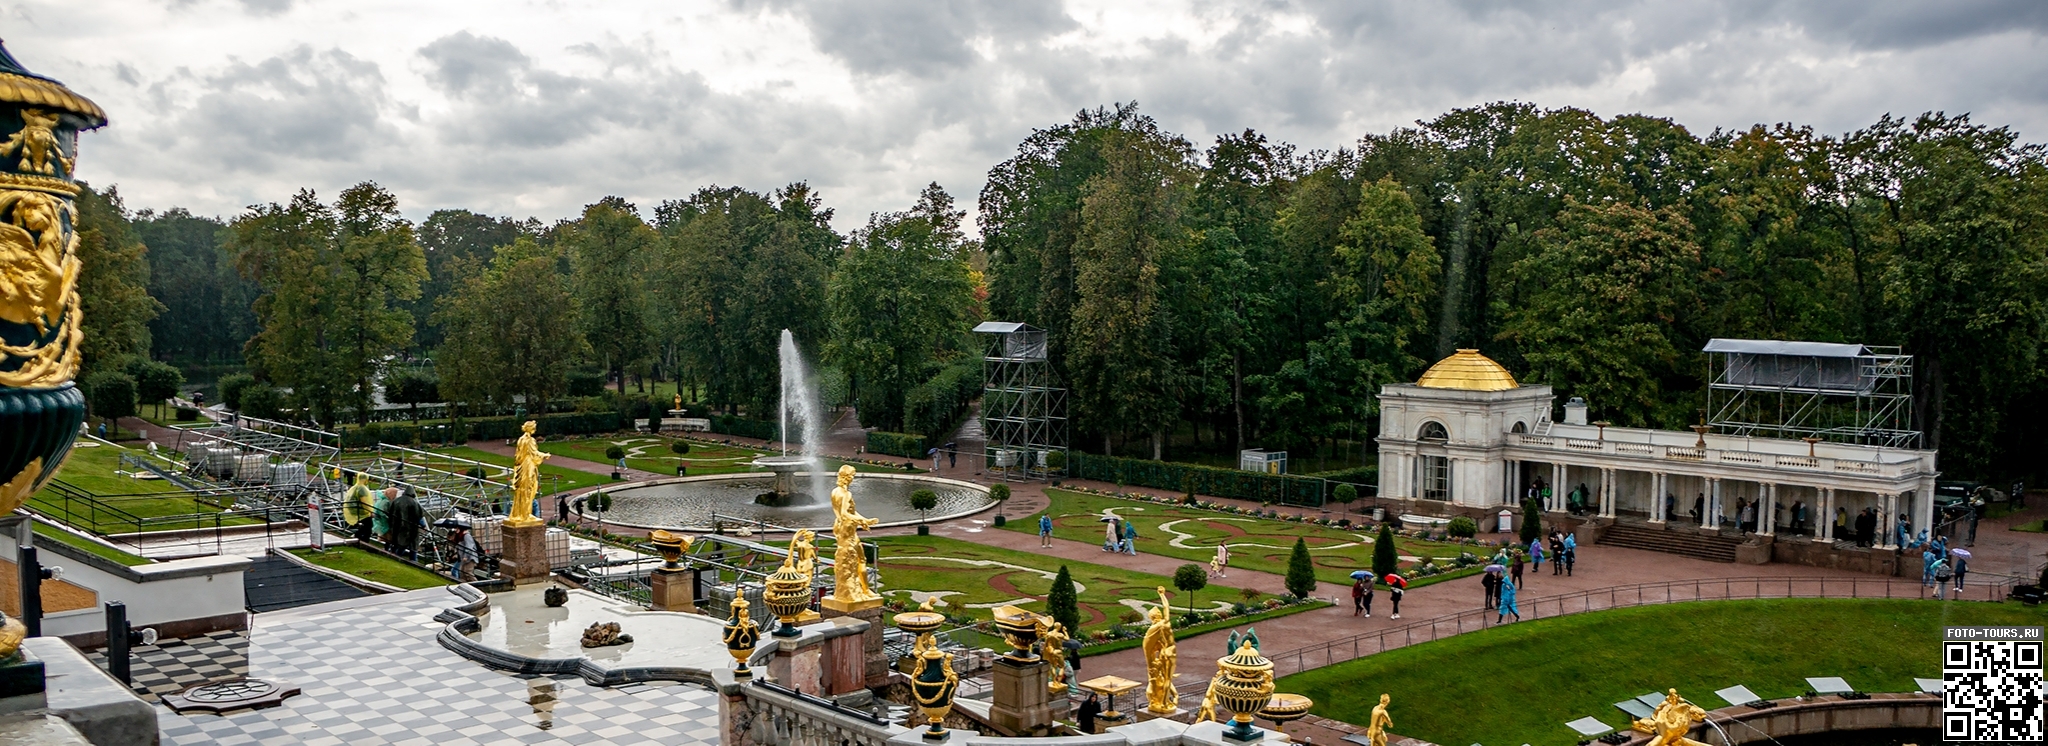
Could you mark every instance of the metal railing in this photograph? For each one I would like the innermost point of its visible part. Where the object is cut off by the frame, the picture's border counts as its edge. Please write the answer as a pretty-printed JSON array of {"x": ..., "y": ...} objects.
[{"x": 1616, "y": 597}]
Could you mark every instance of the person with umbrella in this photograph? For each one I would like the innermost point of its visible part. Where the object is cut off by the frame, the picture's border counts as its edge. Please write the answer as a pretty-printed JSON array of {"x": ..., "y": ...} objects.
[
  {"x": 1507, "y": 602},
  {"x": 1962, "y": 567},
  {"x": 466, "y": 549},
  {"x": 1361, "y": 593},
  {"x": 1396, "y": 585}
]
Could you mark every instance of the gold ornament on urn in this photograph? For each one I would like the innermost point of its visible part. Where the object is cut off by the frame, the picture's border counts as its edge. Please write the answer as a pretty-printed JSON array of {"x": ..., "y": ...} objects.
[
  {"x": 741, "y": 633},
  {"x": 788, "y": 591},
  {"x": 1244, "y": 684},
  {"x": 1020, "y": 630},
  {"x": 932, "y": 679}
]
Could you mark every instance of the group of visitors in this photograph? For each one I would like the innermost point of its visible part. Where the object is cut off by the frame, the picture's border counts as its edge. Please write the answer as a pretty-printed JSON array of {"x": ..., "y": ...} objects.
[
  {"x": 1118, "y": 535},
  {"x": 1940, "y": 565},
  {"x": 1500, "y": 591},
  {"x": 396, "y": 520},
  {"x": 1863, "y": 529},
  {"x": 1362, "y": 592}
]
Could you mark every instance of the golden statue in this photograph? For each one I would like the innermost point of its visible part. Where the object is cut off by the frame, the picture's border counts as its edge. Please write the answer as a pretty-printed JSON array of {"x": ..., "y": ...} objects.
[
  {"x": 525, "y": 478},
  {"x": 1376, "y": 729},
  {"x": 1160, "y": 657},
  {"x": 37, "y": 143},
  {"x": 850, "y": 591},
  {"x": 1207, "y": 713},
  {"x": 1671, "y": 721},
  {"x": 803, "y": 554},
  {"x": 39, "y": 271},
  {"x": 1052, "y": 636}
]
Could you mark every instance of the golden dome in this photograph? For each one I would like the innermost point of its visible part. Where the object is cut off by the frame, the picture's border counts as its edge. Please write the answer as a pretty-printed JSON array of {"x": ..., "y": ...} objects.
[{"x": 1467, "y": 370}]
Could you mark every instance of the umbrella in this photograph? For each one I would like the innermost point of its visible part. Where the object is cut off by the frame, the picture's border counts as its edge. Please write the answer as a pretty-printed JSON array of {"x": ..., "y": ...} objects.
[
  {"x": 1495, "y": 569},
  {"x": 1963, "y": 553},
  {"x": 1106, "y": 519},
  {"x": 1360, "y": 574},
  {"x": 451, "y": 523},
  {"x": 1396, "y": 580}
]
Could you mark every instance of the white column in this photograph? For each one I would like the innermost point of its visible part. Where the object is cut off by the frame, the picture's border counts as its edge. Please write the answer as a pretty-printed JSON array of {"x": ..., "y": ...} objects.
[
  {"x": 1766, "y": 514},
  {"x": 1607, "y": 493},
  {"x": 1556, "y": 488},
  {"x": 1923, "y": 508},
  {"x": 1707, "y": 519},
  {"x": 1888, "y": 522},
  {"x": 1657, "y": 498},
  {"x": 1826, "y": 528}
]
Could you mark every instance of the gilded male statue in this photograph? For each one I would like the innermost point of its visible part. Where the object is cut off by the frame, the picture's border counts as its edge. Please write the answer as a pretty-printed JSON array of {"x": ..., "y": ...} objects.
[
  {"x": 1160, "y": 658},
  {"x": 1376, "y": 729},
  {"x": 1671, "y": 721}
]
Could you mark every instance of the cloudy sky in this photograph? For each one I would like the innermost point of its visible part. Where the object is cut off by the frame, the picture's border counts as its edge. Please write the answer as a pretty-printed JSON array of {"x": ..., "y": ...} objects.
[{"x": 525, "y": 107}]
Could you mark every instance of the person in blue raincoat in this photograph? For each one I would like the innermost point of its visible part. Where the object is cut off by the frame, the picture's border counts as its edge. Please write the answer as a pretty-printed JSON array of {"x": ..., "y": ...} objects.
[
  {"x": 1130, "y": 537},
  {"x": 1571, "y": 552},
  {"x": 1507, "y": 601}
]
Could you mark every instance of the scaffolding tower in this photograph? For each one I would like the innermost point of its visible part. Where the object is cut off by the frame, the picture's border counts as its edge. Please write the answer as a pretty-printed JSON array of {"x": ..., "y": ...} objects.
[
  {"x": 1023, "y": 415},
  {"x": 1847, "y": 393}
]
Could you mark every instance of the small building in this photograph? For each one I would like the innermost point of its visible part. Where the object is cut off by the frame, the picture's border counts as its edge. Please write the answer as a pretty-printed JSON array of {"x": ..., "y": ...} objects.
[{"x": 1467, "y": 439}]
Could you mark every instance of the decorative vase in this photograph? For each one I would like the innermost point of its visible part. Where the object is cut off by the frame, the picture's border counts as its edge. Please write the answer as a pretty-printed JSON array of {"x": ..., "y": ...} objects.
[
  {"x": 1020, "y": 630},
  {"x": 933, "y": 686},
  {"x": 1243, "y": 683},
  {"x": 741, "y": 634},
  {"x": 788, "y": 595},
  {"x": 39, "y": 427}
]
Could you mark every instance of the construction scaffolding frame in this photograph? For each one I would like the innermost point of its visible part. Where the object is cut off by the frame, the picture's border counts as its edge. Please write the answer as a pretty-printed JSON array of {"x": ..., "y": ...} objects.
[
  {"x": 1023, "y": 415},
  {"x": 1845, "y": 393}
]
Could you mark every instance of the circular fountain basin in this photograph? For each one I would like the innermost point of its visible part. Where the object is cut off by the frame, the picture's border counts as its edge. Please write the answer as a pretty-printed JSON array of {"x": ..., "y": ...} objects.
[{"x": 686, "y": 504}]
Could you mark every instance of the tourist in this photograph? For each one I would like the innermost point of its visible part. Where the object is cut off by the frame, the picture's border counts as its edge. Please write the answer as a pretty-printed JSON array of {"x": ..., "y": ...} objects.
[
  {"x": 1111, "y": 538},
  {"x": 1045, "y": 528},
  {"x": 1131, "y": 538},
  {"x": 562, "y": 507},
  {"x": 380, "y": 515},
  {"x": 1515, "y": 567},
  {"x": 1361, "y": 597},
  {"x": 1221, "y": 561},
  {"x": 1927, "y": 568},
  {"x": 1866, "y": 527},
  {"x": 1396, "y": 585},
  {"x": 1085, "y": 715},
  {"x": 1546, "y": 497},
  {"x": 1962, "y": 567},
  {"x": 1556, "y": 553},
  {"x": 1670, "y": 505},
  {"x": 1841, "y": 523},
  {"x": 406, "y": 520},
  {"x": 1536, "y": 553},
  {"x": 1699, "y": 507},
  {"x": 1798, "y": 516},
  {"x": 1490, "y": 586},
  {"x": 1942, "y": 573},
  {"x": 1507, "y": 603},
  {"x": 466, "y": 551},
  {"x": 1571, "y": 553},
  {"x": 1976, "y": 514}
]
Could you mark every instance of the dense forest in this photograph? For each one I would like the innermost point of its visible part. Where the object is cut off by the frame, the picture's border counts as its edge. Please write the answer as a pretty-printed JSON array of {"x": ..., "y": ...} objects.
[{"x": 1245, "y": 293}]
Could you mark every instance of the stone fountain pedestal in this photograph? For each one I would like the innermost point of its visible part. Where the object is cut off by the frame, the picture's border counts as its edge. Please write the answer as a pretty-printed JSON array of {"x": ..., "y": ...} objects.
[
  {"x": 875, "y": 664},
  {"x": 673, "y": 590},
  {"x": 1021, "y": 704},
  {"x": 525, "y": 559}
]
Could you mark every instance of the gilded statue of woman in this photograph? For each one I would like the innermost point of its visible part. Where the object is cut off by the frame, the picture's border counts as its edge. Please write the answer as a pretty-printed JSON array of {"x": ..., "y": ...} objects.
[
  {"x": 803, "y": 555},
  {"x": 1160, "y": 658},
  {"x": 849, "y": 564},
  {"x": 525, "y": 477}
]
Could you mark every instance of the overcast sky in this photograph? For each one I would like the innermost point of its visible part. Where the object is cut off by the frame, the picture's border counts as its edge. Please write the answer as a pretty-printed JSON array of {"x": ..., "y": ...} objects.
[{"x": 521, "y": 108}]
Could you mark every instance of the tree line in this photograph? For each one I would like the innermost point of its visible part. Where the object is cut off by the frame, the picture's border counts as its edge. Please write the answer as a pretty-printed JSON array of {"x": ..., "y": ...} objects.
[{"x": 1246, "y": 293}]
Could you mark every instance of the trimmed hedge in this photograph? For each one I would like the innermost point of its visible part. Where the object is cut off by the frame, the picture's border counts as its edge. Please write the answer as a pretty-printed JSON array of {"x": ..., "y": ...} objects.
[
  {"x": 746, "y": 428},
  {"x": 934, "y": 406},
  {"x": 1208, "y": 480},
  {"x": 1366, "y": 475},
  {"x": 897, "y": 444}
]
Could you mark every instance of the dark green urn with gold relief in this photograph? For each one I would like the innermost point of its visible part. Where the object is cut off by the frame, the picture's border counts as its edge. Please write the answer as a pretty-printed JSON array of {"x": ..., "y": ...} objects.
[{"x": 40, "y": 408}]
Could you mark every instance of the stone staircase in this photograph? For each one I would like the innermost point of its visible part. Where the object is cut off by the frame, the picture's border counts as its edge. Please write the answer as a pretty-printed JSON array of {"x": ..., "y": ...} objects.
[{"x": 1682, "y": 542}]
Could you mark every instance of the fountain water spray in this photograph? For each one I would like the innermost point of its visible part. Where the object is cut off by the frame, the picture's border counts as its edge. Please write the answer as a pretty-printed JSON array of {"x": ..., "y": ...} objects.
[{"x": 799, "y": 402}]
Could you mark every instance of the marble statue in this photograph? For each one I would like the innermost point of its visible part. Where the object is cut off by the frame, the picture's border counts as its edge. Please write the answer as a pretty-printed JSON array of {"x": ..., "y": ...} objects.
[
  {"x": 849, "y": 564},
  {"x": 1160, "y": 658},
  {"x": 1376, "y": 729},
  {"x": 526, "y": 460},
  {"x": 1671, "y": 721}
]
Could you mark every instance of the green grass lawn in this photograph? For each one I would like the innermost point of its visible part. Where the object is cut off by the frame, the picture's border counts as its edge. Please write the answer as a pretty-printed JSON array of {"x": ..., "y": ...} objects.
[
  {"x": 569, "y": 479},
  {"x": 91, "y": 467},
  {"x": 651, "y": 454},
  {"x": 373, "y": 566},
  {"x": 972, "y": 579},
  {"x": 64, "y": 537},
  {"x": 1261, "y": 544},
  {"x": 1520, "y": 683}
]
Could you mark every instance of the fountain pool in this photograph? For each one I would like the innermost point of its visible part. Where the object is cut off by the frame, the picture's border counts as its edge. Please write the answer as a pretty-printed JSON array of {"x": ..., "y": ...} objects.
[{"x": 686, "y": 504}]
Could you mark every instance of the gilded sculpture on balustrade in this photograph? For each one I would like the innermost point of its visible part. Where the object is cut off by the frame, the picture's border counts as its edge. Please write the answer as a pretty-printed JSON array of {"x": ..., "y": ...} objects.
[
  {"x": 1376, "y": 728},
  {"x": 850, "y": 589},
  {"x": 1671, "y": 721},
  {"x": 803, "y": 553},
  {"x": 1052, "y": 640},
  {"x": 526, "y": 459},
  {"x": 1161, "y": 656}
]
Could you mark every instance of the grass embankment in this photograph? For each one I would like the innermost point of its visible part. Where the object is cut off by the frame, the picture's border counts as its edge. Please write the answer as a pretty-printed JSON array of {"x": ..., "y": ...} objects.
[
  {"x": 372, "y": 566},
  {"x": 564, "y": 477},
  {"x": 1262, "y": 544},
  {"x": 92, "y": 547},
  {"x": 92, "y": 467},
  {"x": 972, "y": 578},
  {"x": 1520, "y": 683}
]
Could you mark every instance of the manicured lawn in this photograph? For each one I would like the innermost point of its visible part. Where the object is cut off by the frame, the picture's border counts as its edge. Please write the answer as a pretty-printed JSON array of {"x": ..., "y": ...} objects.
[
  {"x": 91, "y": 467},
  {"x": 651, "y": 453},
  {"x": 372, "y": 566},
  {"x": 972, "y": 579},
  {"x": 569, "y": 479},
  {"x": 1520, "y": 683},
  {"x": 96, "y": 548},
  {"x": 1261, "y": 544}
]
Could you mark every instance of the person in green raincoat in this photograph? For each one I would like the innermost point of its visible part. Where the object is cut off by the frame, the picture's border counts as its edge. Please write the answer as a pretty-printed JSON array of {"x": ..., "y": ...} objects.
[{"x": 380, "y": 522}]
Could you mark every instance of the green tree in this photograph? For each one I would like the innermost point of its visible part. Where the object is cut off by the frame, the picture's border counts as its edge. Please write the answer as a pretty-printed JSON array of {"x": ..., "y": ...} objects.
[
  {"x": 207, "y": 315},
  {"x": 1611, "y": 282},
  {"x": 1062, "y": 604},
  {"x": 922, "y": 501},
  {"x": 155, "y": 381},
  {"x": 1345, "y": 494},
  {"x": 262, "y": 401},
  {"x": 335, "y": 285},
  {"x": 901, "y": 301},
  {"x": 608, "y": 249},
  {"x": 110, "y": 394},
  {"x": 1385, "y": 557},
  {"x": 114, "y": 304},
  {"x": 1532, "y": 522},
  {"x": 493, "y": 357},
  {"x": 1301, "y": 571},
  {"x": 231, "y": 387},
  {"x": 1001, "y": 494},
  {"x": 412, "y": 387},
  {"x": 1190, "y": 578},
  {"x": 458, "y": 245}
]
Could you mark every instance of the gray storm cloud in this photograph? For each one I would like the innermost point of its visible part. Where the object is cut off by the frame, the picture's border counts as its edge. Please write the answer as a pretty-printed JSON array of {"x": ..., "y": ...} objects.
[{"x": 537, "y": 108}]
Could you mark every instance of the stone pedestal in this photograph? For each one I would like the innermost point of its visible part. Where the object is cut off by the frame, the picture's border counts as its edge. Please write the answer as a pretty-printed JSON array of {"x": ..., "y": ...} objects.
[
  {"x": 1020, "y": 705},
  {"x": 673, "y": 590},
  {"x": 525, "y": 559},
  {"x": 825, "y": 660},
  {"x": 876, "y": 664}
]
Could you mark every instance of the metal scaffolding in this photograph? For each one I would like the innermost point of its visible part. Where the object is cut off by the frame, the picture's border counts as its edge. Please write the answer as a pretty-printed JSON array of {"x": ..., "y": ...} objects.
[
  {"x": 1023, "y": 415},
  {"x": 1847, "y": 393}
]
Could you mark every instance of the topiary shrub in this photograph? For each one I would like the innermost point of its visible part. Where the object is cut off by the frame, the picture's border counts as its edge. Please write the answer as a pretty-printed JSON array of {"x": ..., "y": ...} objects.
[
  {"x": 679, "y": 447},
  {"x": 1385, "y": 558},
  {"x": 1056, "y": 462},
  {"x": 1062, "y": 604},
  {"x": 922, "y": 501},
  {"x": 1464, "y": 527},
  {"x": 613, "y": 453},
  {"x": 1190, "y": 578},
  {"x": 187, "y": 414},
  {"x": 1301, "y": 571},
  {"x": 1532, "y": 522}
]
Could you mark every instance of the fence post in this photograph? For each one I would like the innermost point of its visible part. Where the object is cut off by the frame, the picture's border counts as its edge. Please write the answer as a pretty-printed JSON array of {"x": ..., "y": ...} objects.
[
  {"x": 31, "y": 591},
  {"x": 117, "y": 641}
]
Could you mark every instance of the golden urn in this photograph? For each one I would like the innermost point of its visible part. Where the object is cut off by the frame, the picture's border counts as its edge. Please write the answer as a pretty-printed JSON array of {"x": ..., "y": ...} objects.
[
  {"x": 671, "y": 546},
  {"x": 1020, "y": 629},
  {"x": 922, "y": 623},
  {"x": 1244, "y": 684},
  {"x": 741, "y": 633},
  {"x": 1285, "y": 708},
  {"x": 788, "y": 596}
]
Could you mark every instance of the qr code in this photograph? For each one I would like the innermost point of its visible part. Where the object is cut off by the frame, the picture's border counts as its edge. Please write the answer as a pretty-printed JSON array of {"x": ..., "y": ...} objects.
[{"x": 1991, "y": 691}]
